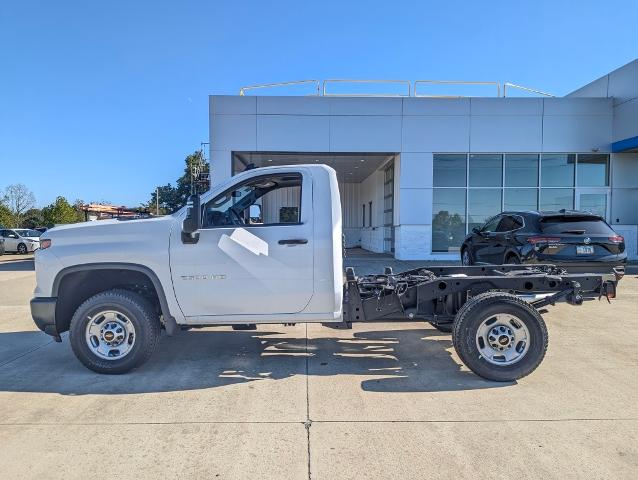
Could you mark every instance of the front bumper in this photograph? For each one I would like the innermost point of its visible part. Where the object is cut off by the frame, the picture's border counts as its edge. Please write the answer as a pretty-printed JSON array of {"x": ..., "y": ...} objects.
[{"x": 43, "y": 314}]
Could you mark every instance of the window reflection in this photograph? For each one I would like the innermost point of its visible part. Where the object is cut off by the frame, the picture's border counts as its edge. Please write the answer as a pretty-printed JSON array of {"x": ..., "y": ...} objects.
[
  {"x": 557, "y": 199},
  {"x": 482, "y": 204},
  {"x": 593, "y": 170},
  {"x": 557, "y": 170},
  {"x": 448, "y": 219},
  {"x": 486, "y": 170},
  {"x": 449, "y": 170},
  {"x": 521, "y": 170}
]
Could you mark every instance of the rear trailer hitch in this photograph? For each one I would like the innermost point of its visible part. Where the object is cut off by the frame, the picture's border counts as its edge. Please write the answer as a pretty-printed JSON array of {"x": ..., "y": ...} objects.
[{"x": 492, "y": 311}]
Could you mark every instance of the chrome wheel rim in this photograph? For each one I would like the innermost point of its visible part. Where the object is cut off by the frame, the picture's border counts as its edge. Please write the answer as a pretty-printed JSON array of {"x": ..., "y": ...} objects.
[
  {"x": 22, "y": 249},
  {"x": 466, "y": 257},
  {"x": 502, "y": 339},
  {"x": 110, "y": 335}
]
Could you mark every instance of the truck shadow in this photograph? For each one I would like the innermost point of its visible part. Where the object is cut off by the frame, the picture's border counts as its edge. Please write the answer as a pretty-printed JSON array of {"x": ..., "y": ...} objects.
[
  {"x": 17, "y": 265},
  {"x": 411, "y": 360}
]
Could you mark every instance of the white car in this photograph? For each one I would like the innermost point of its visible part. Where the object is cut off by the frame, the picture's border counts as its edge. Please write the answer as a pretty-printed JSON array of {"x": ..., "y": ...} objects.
[{"x": 20, "y": 240}]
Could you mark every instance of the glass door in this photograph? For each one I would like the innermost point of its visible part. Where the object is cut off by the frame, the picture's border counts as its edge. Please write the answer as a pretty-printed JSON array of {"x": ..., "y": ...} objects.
[{"x": 595, "y": 200}]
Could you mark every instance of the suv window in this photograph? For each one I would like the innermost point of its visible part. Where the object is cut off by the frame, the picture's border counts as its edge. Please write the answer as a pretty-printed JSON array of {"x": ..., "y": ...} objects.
[
  {"x": 509, "y": 223},
  {"x": 576, "y": 225},
  {"x": 492, "y": 223},
  {"x": 265, "y": 200}
]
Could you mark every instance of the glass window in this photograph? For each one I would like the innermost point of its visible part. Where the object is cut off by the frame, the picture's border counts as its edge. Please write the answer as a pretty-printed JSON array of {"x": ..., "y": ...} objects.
[
  {"x": 509, "y": 223},
  {"x": 263, "y": 200},
  {"x": 575, "y": 225},
  {"x": 593, "y": 170},
  {"x": 594, "y": 203},
  {"x": 448, "y": 219},
  {"x": 481, "y": 205},
  {"x": 363, "y": 215},
  {"x": 449, "y": 170},
  {"x": 520, "y": 199},
  {"x": 492, "y": 223},
  {"x": 369, "y": 214},
  {"x": 486, "y": 170},
  {"x": 557, "y": 170},
  {"x": 521, "y": 170},
  {"x": 556, "y": 199}
]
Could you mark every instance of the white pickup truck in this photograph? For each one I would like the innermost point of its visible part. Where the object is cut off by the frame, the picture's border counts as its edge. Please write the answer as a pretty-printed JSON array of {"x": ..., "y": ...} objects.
[{"x": 266, "y": 247}]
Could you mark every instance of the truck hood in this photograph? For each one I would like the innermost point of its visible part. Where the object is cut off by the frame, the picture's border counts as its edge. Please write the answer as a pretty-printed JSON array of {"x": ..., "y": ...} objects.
[{"x": 110, "y": 240}]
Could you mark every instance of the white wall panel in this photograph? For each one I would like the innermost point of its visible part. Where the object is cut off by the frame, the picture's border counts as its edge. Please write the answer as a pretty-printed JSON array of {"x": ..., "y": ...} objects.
[
  {"x": 365, "y": 106},
  {"x": 506, "y": 133},
  {"x": 365, "y": 133},
  {"x": 436, "y": 106},
  {"x": 625, "y": 123},
  {"x": 436, "y": 133},
  {"x": 413, "y": 242},
  {"x": 597, "y": 88},
  {"x": 623, "y": 83},
  {"x": 293, "y": 105},
  {"x": 232, "y": 104},
  {"x": 233, "y": 132},
  {"x": 576, "y": 133},
  {"x": 416, "y": 170},
  {"x": 416, "y": 206},
  {"x": 295, "y": 133},
  {"x": 220, "y": 166},
  {"x": 350, "y": 205},
  {"x": 578, "y": 106},
  {"x": 624, "y": 170},
  {"x": 506, "y": 106}
]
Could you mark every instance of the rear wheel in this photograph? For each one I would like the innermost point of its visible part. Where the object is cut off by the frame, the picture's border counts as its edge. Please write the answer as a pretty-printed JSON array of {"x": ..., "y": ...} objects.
[
  {"x": 114, "y": 331},
  {"x": 22, "y": 249},
  {"x": 466, "y": 257},
  {"x": 499, "y": 336},
  {"x": 512, "y": 260}
]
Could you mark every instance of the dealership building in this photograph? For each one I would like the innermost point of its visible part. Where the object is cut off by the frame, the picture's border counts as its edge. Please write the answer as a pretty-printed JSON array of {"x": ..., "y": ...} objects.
[{"x": 418, "y": 168}]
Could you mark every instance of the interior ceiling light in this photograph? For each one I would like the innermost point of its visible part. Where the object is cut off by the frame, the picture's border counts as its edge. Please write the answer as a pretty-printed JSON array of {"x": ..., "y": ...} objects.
[
  {"x": 363, "y": 160},
  {"x": 270, "y": 159}
]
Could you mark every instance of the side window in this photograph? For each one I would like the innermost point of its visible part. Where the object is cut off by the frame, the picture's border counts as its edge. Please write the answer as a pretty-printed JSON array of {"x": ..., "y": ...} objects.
[
  {"x": 492, "y": 224},
  {"x": 266, "y": 200},
  {"x": 509, "y": 223}
]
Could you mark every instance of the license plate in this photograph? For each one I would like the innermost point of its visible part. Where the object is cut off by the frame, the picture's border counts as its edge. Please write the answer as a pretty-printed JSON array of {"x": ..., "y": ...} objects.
[{"x": 584, "y": 250}]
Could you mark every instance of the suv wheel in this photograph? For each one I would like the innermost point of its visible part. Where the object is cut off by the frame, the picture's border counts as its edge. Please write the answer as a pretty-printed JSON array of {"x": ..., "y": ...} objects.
[
  {"x": 114, "y": 331},
  {"x": 466, "y": 257},
  {"x": 22, "y": 249}
]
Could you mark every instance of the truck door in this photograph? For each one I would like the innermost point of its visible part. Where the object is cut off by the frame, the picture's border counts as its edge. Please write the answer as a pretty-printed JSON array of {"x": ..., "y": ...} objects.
[{"x": 255, "y": 250}]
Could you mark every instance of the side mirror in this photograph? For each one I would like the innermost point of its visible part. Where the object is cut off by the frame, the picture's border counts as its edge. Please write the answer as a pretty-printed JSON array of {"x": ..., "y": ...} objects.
[
  {"x": 254, "y": 212},
  {"x": 192, "y": 222},
  {"x": 476, "y": 230}
]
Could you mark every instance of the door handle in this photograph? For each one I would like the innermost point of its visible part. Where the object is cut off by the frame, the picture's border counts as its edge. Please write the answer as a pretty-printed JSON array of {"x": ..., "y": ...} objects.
[{"x": 293, "y": 241}]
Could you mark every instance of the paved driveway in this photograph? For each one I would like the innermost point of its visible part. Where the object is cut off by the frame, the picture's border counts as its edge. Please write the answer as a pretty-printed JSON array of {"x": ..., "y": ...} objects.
[{"x": 378, "y": 401}]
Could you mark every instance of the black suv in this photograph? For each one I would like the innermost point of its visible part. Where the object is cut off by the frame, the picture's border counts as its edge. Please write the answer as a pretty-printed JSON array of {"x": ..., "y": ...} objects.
[{"x": 577, "y": 241}]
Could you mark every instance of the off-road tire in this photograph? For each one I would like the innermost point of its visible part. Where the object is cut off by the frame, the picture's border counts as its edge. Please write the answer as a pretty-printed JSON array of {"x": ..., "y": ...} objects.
[
  {"x": 141, "y": 314},
  {"x": 475, "y": 311}
]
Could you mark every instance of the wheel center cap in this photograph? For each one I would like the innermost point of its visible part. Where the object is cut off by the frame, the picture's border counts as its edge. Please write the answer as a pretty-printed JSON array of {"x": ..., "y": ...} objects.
[
  {"x": 503, "y": 340},
  {"x": 109, "y": 336}
]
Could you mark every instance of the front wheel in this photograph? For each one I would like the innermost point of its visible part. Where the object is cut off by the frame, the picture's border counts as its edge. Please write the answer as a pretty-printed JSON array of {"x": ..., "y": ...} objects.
[
  {"x": 22, "y": 249},
  {"x": 114, "y": 331},
  {"x": 499, "y": 336}
]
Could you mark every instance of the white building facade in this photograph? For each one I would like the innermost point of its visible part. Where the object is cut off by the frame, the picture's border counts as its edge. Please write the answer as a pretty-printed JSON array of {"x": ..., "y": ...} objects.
[{"x": 417, "y": 173}]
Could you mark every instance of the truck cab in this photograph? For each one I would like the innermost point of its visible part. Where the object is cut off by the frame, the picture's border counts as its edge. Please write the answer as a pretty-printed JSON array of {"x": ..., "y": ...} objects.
[{"x": 263, "y": 247}]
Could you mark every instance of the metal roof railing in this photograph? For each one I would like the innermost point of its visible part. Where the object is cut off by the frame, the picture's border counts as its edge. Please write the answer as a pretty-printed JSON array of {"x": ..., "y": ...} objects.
[
  {"x": 531, "y": 90},
  {"x": 320, "y": 87},
  {"x": 341, "y": 80},
  {"x": 452, "y": 82}
]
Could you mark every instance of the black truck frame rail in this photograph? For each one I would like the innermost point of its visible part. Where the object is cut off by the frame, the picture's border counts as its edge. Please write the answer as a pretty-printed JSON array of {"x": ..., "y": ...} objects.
[{"x": 435, "y": 294}]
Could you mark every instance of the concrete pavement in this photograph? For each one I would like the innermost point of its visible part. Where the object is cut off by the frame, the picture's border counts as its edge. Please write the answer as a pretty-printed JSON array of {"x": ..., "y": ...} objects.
[{"x": 377, "y": 401}]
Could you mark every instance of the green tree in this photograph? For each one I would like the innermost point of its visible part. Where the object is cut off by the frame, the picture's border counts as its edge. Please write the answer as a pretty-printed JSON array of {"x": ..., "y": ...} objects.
[
  {"x": 60, "y": 211},
  {"x": 172, "y": 198},
  {"x": 6, "y": 218},
  {"x": 17, "y": 198},
  {"x": 33, "y": 218}
]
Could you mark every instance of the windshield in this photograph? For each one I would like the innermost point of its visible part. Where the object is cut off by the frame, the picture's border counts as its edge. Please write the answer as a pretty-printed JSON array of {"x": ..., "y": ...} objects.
[{"x": 28, "y": 233}]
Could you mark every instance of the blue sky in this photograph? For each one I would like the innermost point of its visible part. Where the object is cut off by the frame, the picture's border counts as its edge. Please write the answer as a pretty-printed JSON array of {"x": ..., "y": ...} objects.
[{"x": 103, "y": 100}]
